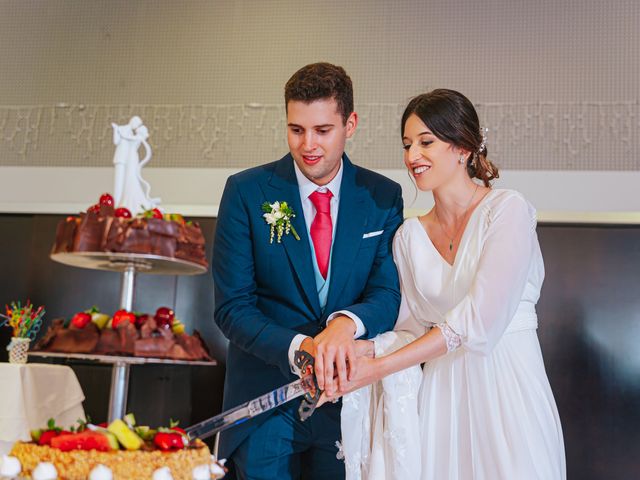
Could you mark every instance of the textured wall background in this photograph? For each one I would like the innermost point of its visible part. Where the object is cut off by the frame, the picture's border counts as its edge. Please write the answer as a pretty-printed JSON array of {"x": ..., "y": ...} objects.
[{"x": 556, "y": 82}]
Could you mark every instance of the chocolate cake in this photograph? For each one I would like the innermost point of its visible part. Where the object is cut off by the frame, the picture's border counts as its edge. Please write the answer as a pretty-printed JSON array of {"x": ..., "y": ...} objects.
[
  {"x": 149, "y": 341},
  {"x": 71, "y": 340},
  {"x": 100, "y": 230}
]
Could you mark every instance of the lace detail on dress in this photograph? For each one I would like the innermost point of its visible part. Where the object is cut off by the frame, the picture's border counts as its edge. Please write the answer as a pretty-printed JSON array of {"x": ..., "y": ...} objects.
[{"x": 452, "y": 338}]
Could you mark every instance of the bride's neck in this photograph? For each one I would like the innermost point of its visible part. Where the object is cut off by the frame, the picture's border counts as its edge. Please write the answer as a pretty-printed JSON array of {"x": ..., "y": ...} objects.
[{"x": 452, "y": 202}]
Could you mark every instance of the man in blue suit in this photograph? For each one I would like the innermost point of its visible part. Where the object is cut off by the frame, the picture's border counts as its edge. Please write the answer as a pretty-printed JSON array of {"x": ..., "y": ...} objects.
[{"x": 327, "y": 281}]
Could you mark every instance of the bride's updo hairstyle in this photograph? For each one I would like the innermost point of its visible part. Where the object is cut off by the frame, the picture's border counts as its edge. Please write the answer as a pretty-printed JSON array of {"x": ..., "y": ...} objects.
[{"x": 452, "y": 118}]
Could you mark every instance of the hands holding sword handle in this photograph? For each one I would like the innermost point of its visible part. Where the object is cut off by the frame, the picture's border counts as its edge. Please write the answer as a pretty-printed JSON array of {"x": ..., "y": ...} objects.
[{"x": 336, "y": 359}]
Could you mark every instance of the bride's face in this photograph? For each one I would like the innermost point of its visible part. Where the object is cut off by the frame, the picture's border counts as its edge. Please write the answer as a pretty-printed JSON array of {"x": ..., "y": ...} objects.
[{"x": 429, "y": 160}]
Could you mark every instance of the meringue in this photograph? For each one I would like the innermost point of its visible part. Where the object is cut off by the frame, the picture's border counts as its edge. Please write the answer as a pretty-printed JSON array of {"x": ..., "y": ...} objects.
[
  {"x": 201, "y": 472},
  {"x": 45, "y": 471},
  {"x": 100, "y": 472},
  {"x": 216, "y": 468},
  {"x": 10, "y": 467},
  {"x": 162, "y": 474}
]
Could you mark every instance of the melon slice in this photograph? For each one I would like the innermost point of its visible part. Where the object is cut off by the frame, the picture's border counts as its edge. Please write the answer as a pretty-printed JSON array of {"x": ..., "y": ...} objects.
[{"x": 127, "y": 438}]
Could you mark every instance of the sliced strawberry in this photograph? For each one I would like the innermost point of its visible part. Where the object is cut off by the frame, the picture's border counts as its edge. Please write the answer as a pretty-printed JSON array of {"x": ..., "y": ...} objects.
[
  {"x": 80, "y": 319},
  {"x": 94, "y": 209},
  {"x": 169, "y": 441}
]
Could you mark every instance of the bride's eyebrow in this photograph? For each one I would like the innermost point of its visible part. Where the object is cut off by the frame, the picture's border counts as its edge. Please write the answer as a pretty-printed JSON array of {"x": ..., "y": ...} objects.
[{"x": 419, "y": 135}]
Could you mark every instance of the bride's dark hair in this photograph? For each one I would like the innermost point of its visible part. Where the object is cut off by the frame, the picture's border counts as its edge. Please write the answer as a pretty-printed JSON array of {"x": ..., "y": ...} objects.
[{"x": 452, "y": 118}]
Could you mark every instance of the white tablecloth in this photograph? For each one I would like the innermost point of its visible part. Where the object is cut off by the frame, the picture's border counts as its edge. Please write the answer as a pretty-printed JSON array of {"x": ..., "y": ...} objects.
[{"x": 31, "y": 394}]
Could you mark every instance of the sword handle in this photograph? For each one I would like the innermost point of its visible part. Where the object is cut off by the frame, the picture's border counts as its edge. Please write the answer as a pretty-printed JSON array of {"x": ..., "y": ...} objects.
[{"x": 305, "y": 362}]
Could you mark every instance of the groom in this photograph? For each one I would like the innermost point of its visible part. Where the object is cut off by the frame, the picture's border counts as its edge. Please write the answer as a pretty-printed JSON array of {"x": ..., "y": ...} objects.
[{"x": 329, "y": 280}]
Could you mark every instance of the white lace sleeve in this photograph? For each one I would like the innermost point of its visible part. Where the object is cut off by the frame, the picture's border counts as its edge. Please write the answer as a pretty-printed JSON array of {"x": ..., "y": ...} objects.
[{"x": 452, "y": 338}]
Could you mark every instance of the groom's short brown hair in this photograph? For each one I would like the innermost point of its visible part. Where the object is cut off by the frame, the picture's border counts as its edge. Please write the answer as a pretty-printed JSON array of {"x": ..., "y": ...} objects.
[{"x": 319, "y": 81}]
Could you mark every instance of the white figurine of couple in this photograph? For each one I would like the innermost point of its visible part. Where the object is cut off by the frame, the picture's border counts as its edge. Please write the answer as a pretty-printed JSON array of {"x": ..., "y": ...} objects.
[{"x": 130, "y": 189}]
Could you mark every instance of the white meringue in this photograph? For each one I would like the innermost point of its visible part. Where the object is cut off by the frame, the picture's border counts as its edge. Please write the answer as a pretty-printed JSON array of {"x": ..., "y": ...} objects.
[
  {"x": 216, "y": 469},
  {"x": 100, "y": 472},
  {"x": 45, "y": 471},
  {"x": 201, "y": 472},
  {"x": 162, "y": 474},
  {"x": 10, "y": 467}
]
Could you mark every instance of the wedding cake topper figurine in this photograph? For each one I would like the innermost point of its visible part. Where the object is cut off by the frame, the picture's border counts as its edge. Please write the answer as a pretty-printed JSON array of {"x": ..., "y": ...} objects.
[{"x": 130, "y": 189}]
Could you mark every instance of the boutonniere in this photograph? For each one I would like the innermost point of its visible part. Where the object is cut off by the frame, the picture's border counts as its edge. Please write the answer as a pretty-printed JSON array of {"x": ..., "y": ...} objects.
[{"x": 278, "y": 216}]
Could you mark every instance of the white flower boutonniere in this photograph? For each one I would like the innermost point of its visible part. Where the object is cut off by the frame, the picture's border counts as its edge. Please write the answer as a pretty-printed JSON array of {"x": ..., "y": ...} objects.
[{"x": 278, "y": 216}]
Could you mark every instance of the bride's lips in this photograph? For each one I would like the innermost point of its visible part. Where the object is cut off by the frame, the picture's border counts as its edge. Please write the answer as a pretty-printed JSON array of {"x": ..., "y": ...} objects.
[{"x": 311, "y": 159}]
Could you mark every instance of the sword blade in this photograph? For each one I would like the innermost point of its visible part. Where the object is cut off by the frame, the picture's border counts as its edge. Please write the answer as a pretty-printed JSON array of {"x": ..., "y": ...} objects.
[{"x": 244, "y": 412}]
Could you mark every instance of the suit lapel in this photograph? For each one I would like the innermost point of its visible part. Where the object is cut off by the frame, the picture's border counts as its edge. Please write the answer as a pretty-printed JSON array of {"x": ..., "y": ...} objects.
[
  {"x": 284, "y": 186},
  {"x": 352, "y": 221}
]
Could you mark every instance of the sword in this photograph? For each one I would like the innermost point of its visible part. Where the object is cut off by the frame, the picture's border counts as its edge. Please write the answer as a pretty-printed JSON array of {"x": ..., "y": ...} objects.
[{"x": 306, "y": 386}]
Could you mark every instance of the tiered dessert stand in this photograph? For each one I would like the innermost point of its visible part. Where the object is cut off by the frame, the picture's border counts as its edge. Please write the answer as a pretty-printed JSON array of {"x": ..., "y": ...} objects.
[{"x": 129, "y": 264}]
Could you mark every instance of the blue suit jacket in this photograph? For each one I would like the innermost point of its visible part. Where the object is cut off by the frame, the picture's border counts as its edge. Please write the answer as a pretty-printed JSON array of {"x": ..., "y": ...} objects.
[{"x": 265, "y": 293}]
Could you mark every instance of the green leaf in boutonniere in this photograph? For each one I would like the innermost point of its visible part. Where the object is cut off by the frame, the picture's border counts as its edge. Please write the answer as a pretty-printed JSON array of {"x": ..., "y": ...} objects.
[{"x": 278, "y": 216}]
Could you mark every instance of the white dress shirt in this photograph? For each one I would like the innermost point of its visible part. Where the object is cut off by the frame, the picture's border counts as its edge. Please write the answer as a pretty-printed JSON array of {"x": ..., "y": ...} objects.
[{"x": 306, "y": 188}]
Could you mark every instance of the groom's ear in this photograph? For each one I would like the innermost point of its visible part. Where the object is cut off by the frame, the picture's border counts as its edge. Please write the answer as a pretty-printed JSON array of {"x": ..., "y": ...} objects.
[{"x": 351, "y": 124}]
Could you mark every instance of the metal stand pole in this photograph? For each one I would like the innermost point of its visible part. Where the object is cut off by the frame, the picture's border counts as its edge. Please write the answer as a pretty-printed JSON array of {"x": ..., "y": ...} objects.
[
  {"x": 127, "y": 287},
  {"x": 216, "y": 444},
  {"x": 119, "y": 390}
]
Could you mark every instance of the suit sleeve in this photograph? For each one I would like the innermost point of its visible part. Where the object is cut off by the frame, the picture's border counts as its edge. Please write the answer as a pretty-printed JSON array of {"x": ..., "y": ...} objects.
[
  {"x": 236, "y": 311},
  {"x": 378, "y": 306}
]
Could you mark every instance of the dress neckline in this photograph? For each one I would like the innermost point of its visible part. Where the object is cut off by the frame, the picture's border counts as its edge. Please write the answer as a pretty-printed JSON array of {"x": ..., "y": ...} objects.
[{"x": 464, "y": 232}]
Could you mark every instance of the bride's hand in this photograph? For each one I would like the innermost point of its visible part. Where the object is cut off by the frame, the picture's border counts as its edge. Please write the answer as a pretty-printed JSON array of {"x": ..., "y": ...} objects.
[
  {"x": 368, "y": 371},
  {"x": 365, "y": 348}
]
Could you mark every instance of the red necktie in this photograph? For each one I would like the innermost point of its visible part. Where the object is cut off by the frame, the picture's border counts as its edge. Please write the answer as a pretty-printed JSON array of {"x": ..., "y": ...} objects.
[{"x": 321, "y": 229}]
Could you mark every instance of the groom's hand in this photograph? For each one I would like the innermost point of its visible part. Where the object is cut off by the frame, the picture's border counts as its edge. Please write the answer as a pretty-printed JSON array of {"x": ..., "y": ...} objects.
[{"x": 334, "y": 349}]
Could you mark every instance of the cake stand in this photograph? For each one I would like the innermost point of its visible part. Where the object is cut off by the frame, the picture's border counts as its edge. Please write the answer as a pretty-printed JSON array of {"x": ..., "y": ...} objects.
[{"x": 128, "y": 264}]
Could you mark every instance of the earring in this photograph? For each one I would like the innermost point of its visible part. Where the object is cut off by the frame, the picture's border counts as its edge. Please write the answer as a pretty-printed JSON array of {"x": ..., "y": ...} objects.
[{"x": 461, "y": 159}]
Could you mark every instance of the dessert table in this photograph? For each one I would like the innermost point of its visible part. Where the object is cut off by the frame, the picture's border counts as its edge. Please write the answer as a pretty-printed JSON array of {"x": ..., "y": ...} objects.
[{"x": 32, "y": 393}]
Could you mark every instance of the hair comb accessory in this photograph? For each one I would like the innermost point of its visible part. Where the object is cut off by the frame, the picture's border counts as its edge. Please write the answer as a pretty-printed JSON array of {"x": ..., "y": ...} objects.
[{"x": 483, "y": 144}]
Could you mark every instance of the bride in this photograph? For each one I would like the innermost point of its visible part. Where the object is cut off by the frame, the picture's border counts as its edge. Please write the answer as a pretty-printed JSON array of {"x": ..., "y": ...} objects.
[{"x": 470, "y": 272}]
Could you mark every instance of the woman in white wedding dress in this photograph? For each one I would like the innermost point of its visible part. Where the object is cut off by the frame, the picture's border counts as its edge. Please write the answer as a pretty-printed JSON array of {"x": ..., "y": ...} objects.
[{"x": 470, "y": 272}]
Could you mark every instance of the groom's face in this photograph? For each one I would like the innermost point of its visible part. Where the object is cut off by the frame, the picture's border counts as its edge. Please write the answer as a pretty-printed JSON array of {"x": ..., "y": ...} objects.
[{"x": 316, "y": 134}]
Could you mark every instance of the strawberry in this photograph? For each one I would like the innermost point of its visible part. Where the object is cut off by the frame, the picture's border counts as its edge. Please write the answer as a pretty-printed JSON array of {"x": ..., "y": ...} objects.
[
  {"x": 94, "y": 209},
  {"x": 123, "y": 316},
  {"x": 164, "y": 317},
  {"x": 169, "y": 441},
  {"x": 80, "y": 319},
  {"x": 48, "y": 435},
  {"x": 122, "y": 212},
  {"x": 106, "y": 199}
]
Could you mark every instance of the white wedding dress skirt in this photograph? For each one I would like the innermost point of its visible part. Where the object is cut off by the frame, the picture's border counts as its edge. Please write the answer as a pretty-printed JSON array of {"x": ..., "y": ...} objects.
[{"x": 484, "y": 411}]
